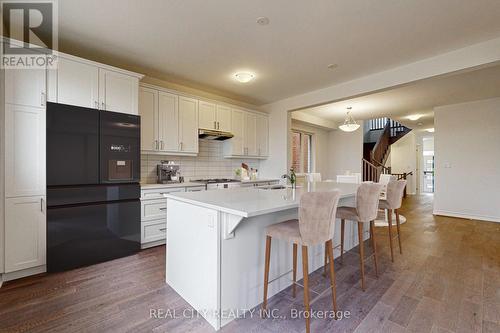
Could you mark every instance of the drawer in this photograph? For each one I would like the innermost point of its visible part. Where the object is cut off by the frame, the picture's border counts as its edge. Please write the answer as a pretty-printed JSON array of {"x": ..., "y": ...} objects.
[
  {"x": 153, "y": 231},
  {"x": 153, "y": 209},
  {"x": 159, "y": 193}
]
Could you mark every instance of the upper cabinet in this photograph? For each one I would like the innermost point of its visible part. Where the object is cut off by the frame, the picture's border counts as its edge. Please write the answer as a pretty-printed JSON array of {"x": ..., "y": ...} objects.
[
  {"x": 214, "y": 117},
  {"x": 188, "y": 125},
  {"x": 168, "y": 122},
  {"x": 85, "y": 83},
  {"x": 251, "y": 135},
  {"x": 262, "y": 135},
  {"x": 118, "y": 92},
  {"x": 25, "y": 87},
  {"x": 148, "y": 106},
  {"x": 77, "y": 83}
]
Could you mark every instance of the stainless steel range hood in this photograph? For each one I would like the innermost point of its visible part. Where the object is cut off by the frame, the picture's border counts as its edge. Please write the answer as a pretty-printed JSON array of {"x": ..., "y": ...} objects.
[{"x": 214, "y": 135}]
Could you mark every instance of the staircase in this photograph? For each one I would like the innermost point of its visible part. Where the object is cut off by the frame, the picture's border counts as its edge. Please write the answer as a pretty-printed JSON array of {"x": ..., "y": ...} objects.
[{"x": 383, "y": 132}]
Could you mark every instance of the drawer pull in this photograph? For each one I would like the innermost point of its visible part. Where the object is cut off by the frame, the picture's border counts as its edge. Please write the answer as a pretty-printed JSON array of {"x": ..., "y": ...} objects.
[
  {"x": 163, "y": 229},
  {"x": 163, "y": 208}
]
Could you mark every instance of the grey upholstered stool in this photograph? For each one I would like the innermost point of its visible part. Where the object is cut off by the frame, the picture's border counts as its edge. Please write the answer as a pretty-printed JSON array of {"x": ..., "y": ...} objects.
[
  {"x": 315, "y": 225},
  {"x": 394, "y": 197},
  {"x": 367, "y": 201}
]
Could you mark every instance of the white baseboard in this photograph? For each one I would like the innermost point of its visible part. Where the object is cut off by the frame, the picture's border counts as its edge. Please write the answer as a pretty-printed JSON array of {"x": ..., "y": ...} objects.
[
  {"x": 466, "y": 216},
  {"x": 24, "y": 273}
]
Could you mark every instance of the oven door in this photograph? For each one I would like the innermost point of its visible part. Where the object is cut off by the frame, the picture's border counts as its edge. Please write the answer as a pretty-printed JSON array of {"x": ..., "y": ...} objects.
[{"x": 120, "y": 147}]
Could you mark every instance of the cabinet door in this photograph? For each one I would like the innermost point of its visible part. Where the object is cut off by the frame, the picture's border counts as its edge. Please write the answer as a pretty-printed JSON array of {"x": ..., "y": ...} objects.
[
  {"x": 207, "y": 115},
  {"x": 25, "y": 151},
  {"x": 25, "y": 87},
  {"x": 223, "y": 118},
  {"x": 77, "y": 83},
  {"x": 118, "y": 92},
  {"x": 148, "y": 110},
  {"x": 262, "y": 135},
  {"x": 236, "y": 143},
  {"x": 168, "y": 122},
  {"x": 188, "y": 125},
  {"x": 251, "y": 134},
  {"x": 25, "y": 225}
]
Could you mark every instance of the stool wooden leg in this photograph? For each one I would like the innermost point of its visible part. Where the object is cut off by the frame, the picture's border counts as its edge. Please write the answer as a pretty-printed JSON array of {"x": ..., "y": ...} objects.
[
  {"x": 399, "y": 232},
  {"x": 342, "y": 227},
  {"x": 266, "y": 270},
  {"x": 333, "y": 285},
  {"x": 389, "y": 220},
  {"x": 361, "y": 254},
  {"x": 374, "y": 246},
  {"x": 326, "y": 259},
  {"x": 305, "y": 270},
  {"x": 294, "y": 287}
]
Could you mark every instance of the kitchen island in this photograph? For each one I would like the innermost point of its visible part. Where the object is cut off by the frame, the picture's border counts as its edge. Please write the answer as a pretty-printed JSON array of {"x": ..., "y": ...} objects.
[{"x": 216, "y": 242}]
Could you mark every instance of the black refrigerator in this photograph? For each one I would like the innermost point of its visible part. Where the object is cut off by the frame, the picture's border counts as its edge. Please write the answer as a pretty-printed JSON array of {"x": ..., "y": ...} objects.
[{"x": 93, "y": 191}]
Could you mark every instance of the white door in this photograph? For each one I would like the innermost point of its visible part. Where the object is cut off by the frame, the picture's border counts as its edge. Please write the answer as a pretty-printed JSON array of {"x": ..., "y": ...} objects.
[
  {"x": 251, "y": 134},
  {"x": 168, "y": 122},
  {"x": 118, "y": 92},
  {"x": 148, "y": 110},
  {"x": 25, "y": 230},
  {"x": 236, "y": 143},
  {"x": 223, "y": 118},
  {"x": 207, "y": 115},
  {"x": 25, "y": 87},
  {"x": 77, "y": 83},
  {"x": 24, "y": 151},
  {"x": 263, "y": 135},
  {"x": 188, "y": 124}
]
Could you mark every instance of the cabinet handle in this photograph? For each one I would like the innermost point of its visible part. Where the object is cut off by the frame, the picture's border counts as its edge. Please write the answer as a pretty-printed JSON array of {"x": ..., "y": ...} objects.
[
  {"x": 218, "y": 127},
  {"x": 103, "y": 106},
  {"x": 215, "y": 125},
  {"x": 163, "y": 208},
  {"x": 154, "y": 144},
  {"x": 161, "y": 143},
  {"x": 42, "y": 99},
  {"x": 180, "y": 143},
  {"x": 96, "y": 104},
  {"x": 163, "y": 229},
  {"x": 41, "y": 205}
]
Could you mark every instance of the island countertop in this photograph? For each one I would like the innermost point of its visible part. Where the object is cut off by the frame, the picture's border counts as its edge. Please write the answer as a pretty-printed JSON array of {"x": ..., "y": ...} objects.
[{"x": 248, "y": 202}]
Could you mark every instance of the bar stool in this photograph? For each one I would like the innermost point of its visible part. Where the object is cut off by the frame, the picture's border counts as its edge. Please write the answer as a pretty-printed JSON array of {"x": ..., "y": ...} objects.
[
  {"x": 394, "y": 197},
  {"x": 315, "y": 225},
  {"x": 367, "y": 201}
]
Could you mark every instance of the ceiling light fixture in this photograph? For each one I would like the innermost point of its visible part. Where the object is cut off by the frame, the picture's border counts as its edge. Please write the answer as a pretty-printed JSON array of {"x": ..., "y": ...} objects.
[
  {"x": 349, "y": 124},
  {"x": 244, "y": 77},
  {"x": 414, "y": 117},
  {"x": 262, "y": 20},
  {"x": 430, "y": 130},
  {"x": 332, "y": 66}
]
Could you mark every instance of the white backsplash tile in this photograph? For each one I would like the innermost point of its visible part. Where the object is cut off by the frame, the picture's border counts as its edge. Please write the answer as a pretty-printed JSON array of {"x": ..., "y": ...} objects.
[{"x": 210, "y": 163}]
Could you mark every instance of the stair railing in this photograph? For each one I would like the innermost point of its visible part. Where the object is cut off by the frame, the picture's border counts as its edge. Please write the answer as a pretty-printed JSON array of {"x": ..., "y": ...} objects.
[
  {"x": 379, "y": 151},
  {"x": 371, "y": 172}
]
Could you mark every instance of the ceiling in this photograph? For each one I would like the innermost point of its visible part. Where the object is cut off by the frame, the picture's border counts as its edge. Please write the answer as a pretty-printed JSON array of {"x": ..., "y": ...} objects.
[
  {"x": 201, "y": 43},
  {"x": 417, "y": 98}
]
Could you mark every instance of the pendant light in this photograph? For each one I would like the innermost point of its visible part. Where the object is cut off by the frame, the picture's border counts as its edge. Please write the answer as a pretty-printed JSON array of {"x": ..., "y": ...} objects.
[{"x": 349, "y": 124}]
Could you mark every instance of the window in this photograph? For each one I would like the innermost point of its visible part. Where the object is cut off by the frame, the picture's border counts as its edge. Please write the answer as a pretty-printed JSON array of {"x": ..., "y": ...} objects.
[{"x": 301, "y": 151}]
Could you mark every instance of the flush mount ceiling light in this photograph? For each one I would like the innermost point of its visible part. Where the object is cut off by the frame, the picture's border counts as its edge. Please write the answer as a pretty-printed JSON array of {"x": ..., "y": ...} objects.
[
  {"x": 430, "y": 130},
  {"x": 349, "y": 124},
  {"x": 332, "y": 66},
  {"x": 414, "y": 117},
  {"x": 244, "y": 77},
  {"x": 262, "y": 20}
]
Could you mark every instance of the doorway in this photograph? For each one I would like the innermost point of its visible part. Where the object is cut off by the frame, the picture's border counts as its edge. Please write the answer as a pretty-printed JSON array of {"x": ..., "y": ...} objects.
[{"x": 427, "y": 184}]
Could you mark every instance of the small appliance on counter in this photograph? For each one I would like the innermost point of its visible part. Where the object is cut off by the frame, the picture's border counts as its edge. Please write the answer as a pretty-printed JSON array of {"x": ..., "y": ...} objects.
[{"x": 167, "y": 172}]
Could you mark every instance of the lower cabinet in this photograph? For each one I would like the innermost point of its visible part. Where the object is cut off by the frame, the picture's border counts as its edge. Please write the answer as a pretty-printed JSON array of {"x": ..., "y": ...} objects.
[{"x": 25, "y": 225}]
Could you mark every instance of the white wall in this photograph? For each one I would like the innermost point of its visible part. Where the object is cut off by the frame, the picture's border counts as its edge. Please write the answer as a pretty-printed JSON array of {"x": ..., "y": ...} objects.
[
  {"x": 467, "y": 157},
  {"x": 320, "y": 146},
  {"x": 345, "y": 151},
  {"x": 404, "y": 159},
  {"x": 462, "y": 59}
]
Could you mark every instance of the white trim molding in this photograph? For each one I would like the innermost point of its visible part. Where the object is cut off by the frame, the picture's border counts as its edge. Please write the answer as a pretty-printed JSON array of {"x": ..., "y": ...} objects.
[{"x": 466, "y": 216}]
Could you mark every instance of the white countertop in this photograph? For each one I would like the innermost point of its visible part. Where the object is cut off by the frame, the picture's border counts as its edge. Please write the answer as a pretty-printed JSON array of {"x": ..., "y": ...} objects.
[
  {"x": 263, "y": 180},
  {"x": 248, "y": 202},
  {"x": 172, "y": 185}
]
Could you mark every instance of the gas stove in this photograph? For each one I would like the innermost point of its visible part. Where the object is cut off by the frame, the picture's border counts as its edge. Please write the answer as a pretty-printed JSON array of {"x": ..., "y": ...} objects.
[{"x": 218, "y": 183}]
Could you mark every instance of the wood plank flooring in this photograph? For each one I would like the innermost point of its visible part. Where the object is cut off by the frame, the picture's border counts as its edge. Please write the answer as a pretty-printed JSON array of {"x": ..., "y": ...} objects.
[{"x": 447, "y": 280}]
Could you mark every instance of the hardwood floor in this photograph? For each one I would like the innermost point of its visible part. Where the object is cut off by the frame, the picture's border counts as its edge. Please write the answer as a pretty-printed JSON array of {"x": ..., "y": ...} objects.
[{"x": 448, "y": 280}]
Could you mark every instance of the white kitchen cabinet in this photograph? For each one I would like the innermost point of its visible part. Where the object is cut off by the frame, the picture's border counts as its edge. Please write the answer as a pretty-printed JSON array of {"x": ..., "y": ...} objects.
[
  {"x": 262, "y": 135},
  {"x": 188, "y": 124},
  {"x": 207, "y": 115},
  {"x": 148, "y": 110},
  {"x": 118, "y": 92},
  {"x": 25, "y": 87},
  {"x": 25, "y": 231},
  {"x": 77, "y": 83},
  {"x": 235, "y": 145},
  {"x": 250, "y": 141},
  {"x": 168, "y": 122},
  {"x": 224, "y": 118},
  {"x": 24, "y": 150}
]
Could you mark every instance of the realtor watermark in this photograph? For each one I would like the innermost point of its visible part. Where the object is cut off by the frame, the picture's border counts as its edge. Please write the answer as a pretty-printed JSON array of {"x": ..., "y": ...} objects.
[
  {"x": 160, "y": 313},
  {"x": 30, "y": 34}
]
